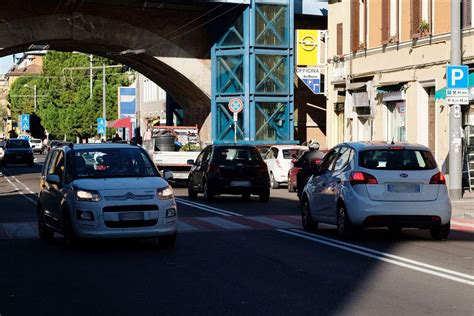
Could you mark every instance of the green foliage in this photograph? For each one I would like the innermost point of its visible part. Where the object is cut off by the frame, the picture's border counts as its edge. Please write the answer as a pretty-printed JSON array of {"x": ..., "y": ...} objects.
[
  {"x": 190, "y": 147},
  {"x": 63, "y": 102}
]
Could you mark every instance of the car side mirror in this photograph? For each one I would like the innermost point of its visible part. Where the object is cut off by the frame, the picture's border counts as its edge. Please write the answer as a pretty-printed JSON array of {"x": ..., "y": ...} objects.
[
  {"x": 168, "y": 175},
  {"x": 53, "y": 179},
  {"x": 190, "y": 162}
]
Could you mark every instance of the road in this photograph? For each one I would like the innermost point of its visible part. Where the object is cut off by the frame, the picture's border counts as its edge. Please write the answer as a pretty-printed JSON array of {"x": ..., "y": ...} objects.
[{"x": 232, "y": 257}]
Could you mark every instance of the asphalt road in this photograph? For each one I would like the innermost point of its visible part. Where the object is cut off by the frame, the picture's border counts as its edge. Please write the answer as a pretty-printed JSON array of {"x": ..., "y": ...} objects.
[{"x": 232, "y": 257}]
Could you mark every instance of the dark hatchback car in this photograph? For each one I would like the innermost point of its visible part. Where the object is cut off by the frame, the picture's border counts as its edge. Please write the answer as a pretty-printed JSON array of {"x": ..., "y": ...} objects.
[
  {"x": 229, "y": 169},
  {"x": 17, "y": 151}
]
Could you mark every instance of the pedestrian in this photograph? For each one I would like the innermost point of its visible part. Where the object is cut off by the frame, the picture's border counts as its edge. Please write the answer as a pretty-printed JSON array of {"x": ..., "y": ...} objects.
[{"x": 116, "y": 138}]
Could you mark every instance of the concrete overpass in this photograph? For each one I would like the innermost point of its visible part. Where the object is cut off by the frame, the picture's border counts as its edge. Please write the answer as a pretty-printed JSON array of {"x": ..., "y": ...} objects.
[{"x": 170, "y": 42}]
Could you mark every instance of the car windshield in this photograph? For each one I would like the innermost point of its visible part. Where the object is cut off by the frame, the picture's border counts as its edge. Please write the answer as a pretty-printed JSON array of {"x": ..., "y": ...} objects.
[
  {"x": 17, "y": 143},
  {"x": 243, "y": 155},
  {"x": 399, "y": 159},
  {"x": 113, "y": 163},
  {"x": 290, "y": 153}
]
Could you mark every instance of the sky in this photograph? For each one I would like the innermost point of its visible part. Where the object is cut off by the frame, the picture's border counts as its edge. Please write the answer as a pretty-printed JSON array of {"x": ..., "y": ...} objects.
[{"x": 5, "y": 64}]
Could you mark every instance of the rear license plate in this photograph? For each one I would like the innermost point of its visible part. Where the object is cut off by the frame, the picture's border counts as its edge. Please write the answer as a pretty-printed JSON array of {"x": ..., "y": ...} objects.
[
  {"x": 404, "y": 187},
  {"x": 131, "y": 216},
  {"x": 180, "y": 175},
  {"x": 240, "y": 183}
]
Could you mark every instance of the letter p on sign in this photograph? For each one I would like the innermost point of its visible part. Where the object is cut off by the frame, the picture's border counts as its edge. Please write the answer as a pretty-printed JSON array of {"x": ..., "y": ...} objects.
[{"x": 457, "y": 77}]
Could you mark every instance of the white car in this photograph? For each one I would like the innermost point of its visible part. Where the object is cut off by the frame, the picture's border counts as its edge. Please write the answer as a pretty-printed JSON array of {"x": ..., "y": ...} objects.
[
  {"x": 279, "y": 161},
  {"x": 36, "y": 145},
  {"x": 367, "y": 184}
]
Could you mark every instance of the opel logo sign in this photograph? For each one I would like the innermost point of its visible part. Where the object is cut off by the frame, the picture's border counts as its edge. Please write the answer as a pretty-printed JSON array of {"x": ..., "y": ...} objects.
[
  {"x": 308, "y": 43},
  {"x": 403, "y": 175}
]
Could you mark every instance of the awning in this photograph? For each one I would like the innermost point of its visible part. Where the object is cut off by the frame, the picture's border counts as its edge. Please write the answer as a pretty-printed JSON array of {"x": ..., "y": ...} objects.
[
  {"x": 122, "y": 123},
  {"x": 441, "y": 93},
  {"x": 390, "y": 88},
  {"x": 356, "y": 85},
  {"x": 391, "y": 92}
]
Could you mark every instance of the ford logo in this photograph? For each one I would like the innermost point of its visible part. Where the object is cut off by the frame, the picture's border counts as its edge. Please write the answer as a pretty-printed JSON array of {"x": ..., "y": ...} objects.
[{"x": 404, "y": 175}]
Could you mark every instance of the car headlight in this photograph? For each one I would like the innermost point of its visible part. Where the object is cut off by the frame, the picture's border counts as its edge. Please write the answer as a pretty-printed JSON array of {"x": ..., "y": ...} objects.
[
  {"x": 164, "y": 193},
  {"x": 88, "y": 196}
]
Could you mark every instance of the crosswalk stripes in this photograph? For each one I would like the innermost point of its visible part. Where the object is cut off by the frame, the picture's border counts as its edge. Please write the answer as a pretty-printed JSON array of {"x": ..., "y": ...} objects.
[{"x": 29, "y": 230}]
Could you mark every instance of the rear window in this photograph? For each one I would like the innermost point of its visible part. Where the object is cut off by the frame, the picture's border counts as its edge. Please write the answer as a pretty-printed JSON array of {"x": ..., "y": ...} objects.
[
  {"x": 390, "y": 159},
  {"x": 290, "y": 153},
  {"x": 244, "y": 155},
  {"x": 18, "y": 143},
  {"x": 35, "y": 141}
]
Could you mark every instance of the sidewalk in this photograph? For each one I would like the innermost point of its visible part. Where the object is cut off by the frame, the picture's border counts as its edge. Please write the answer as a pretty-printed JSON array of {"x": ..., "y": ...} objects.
[{"x": 464, "y": 209}]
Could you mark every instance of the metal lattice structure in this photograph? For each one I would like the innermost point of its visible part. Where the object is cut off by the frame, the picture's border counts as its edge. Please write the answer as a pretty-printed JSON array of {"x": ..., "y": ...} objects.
[{"x": 254, "y": 61}]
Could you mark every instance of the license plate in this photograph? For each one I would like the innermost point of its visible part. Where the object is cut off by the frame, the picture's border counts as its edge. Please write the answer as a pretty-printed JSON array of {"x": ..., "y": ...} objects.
[
  {"x": 18, "y": 157},
  {"x": 240, "y": 184},
  {"x": 404, "y": 187},
  {"x": 180, "y": 175},
  {"x": 137, "y": 216}
]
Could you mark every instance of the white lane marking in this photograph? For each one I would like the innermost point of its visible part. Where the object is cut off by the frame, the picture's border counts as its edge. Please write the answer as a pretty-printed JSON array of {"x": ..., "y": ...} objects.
[
  {"x": 20, "y": 191},
  {"x": 207, "y": 208},
  {"x": 372, "y": 254},
  {"x": 221, "y": 222},
  {"x": 462, "y": 224},
  {"x": 425, "y": 265},
  {"x": 25, "y": 186},
  {"x": 273, "y": 222}
]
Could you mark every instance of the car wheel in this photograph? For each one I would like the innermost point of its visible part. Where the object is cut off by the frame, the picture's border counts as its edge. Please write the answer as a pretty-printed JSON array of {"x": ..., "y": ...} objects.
[
  {"x": 344, "y": 225},
  {"x": 208, "y": 195},
  {"x": 264, "y": 196},
  {"x": 168, "y": 241},
  {"x": 246, "y": 196},
  {"x": 45, "y": 233},
  {"x": 191, "y": 193},
  {"x": 70, "y": 238},
  {"x": 441, "y": 232},
  {"x": 309, "y": 224},
  {"x": 273, "y": 183}
]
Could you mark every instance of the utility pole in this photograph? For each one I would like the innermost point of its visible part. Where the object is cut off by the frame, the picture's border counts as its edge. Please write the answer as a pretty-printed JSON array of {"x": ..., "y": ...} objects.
[
  {"x": 138, "y": 112},
  {"x": 35, "y": 97},
  {"x": 455, "y": 113},
  {"x": 90, "y": 76},
  {"x": 104, "y": 101}
]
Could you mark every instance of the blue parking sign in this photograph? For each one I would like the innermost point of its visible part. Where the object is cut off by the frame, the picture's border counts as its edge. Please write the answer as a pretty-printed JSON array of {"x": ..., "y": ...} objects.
[
  {"x": 25, "y": 122},
  {"x": 101, "y": 126},
  {"x": 457, "y": 77}
]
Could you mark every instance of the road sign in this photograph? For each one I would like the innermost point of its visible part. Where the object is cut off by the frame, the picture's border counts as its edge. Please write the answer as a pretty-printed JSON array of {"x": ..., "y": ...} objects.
[
  {"x": 25, "y": 122},
  {"x": 311, "y": 76},
  {"x": 101, "y": 126},
  {"x": 236, "y": 105},
  {"x": 457, "y": 77},
  {"x": 127, "y": 102}
]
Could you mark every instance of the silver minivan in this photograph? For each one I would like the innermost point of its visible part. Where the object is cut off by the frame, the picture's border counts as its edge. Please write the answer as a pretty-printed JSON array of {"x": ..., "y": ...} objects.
[{"x": 105, "y": 191}]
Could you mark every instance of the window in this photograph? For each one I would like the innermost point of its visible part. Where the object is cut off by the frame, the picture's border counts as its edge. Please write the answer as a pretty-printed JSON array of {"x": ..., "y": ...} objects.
[
  {"x": 59, "y": 166},
  {"x": 420, "y": 17},
  {"x": 17, "y": 143},
  {"x": 355, "y": 24},
  {"x": 343, "y": 158},
  {"x": 52, "y": 162},
  {"x": 396, "y": 159},
  {"x": 339, "y": 48},
  {"x": 290, "y": 153},
  {"x": 396, "y": 129},
  {"x": 390, "y": 16},
  {"x": 466, "y": 13},
  {"x": 240, "y": 155},
  {"x": 327, "y": 163}
]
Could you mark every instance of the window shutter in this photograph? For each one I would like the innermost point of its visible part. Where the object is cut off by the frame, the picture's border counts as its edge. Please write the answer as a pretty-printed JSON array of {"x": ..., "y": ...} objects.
[
  {"x": 415, "y": 17},
  {"x": 355, "y": 15},
  {"x": 385, "y": 21},
  {"x": 466, "y": 13},
  {"x": 339, "y": 49}
]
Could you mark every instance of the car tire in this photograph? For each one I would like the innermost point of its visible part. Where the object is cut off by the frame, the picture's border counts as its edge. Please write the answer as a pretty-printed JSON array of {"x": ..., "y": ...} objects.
[
  {"x": 246, "y": 196},
  {"x": 168, "y": 241},
  {"x": 191, "y": 193},
  {"x": 208, "y": 194},
  {"x": 45, "y": 233},
  {"x": 441, "y": 232},
  {"x": 273, "y": 183},
  {"x": 70, "y": 239},
  {"x": 264, "y": 196},
  {"x": 345, "y": 229},
  {"x": 309, "y": 224}
]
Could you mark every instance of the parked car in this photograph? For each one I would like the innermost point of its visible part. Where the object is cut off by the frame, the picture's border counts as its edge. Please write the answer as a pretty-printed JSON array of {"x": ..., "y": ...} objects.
[
  {"x": 307, "y": 164},
  {"x": 105, "y": 191},
  {"x": 55, "y": 143},
  {"x": 229, "y": 169},
  {"x": 278, "y": 160},
  {"x": 367, "y": 184},
  {"x": 17, "y": 151},
  {"x": 36, "y": 145}
]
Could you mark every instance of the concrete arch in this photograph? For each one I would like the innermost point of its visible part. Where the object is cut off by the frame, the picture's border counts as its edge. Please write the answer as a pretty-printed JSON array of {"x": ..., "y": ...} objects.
[{"x": 181, "y": 71}]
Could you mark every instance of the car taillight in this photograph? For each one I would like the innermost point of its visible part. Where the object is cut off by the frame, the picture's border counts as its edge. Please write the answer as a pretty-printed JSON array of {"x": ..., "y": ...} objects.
[
  {"x": 362, "y": 178},
  {"x": 438, "y": 178},
  {"x": 213, "y": 168}
]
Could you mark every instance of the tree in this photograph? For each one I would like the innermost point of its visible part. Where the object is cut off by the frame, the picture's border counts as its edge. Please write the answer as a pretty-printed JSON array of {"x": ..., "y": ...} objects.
[{"x": 63, "y": 104}]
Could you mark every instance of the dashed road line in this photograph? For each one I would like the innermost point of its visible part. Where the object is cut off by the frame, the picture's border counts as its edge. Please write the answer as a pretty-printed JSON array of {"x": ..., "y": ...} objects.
[{"x": 20, "y": 191}]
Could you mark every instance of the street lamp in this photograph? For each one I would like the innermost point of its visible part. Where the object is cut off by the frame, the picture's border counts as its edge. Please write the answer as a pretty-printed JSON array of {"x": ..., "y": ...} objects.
[{"x": 35, "y": 97}]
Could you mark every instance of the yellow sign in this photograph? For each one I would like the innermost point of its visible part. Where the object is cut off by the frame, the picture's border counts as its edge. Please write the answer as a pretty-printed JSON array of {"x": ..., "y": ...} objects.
[{"x": 307, "y": 47}]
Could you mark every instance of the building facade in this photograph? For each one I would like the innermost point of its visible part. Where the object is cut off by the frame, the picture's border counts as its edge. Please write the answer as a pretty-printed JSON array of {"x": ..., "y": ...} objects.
[{"x": 387, "y": 61}]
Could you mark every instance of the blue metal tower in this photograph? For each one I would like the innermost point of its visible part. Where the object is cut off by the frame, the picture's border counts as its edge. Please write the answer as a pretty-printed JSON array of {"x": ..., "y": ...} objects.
[{"x": 254, "y": 61}]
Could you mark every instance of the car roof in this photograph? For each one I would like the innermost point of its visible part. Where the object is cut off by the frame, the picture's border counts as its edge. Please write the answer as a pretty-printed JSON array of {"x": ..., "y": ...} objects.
[
  {"x": 289, "y": 146},
  {"x": 359, "y": 146},
  {"x": 93, "y": 146},
  {"x": 17, "y": 139}
]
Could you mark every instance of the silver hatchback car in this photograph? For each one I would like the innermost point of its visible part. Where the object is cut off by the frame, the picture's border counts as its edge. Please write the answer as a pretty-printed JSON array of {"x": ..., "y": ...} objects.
[{"x": 105, "y": 191}]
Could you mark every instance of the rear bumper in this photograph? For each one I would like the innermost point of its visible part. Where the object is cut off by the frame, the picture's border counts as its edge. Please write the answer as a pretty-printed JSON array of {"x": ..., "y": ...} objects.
[
  {"x": 363, "y": 211},
  {"x": 20, "y": 160}
]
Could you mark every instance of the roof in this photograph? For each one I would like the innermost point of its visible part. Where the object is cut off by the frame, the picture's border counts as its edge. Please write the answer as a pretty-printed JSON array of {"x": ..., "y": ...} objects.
[
  {"x": 290, "y": 146},
  {"x": 383, "y": 145}
]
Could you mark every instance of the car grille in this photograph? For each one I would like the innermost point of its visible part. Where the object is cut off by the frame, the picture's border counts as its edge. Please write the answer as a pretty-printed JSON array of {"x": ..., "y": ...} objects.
[
  {"x": 131, "y": 224},
  {"x": 130, "y": 208},
  {"x": 130, "y": 196}
]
